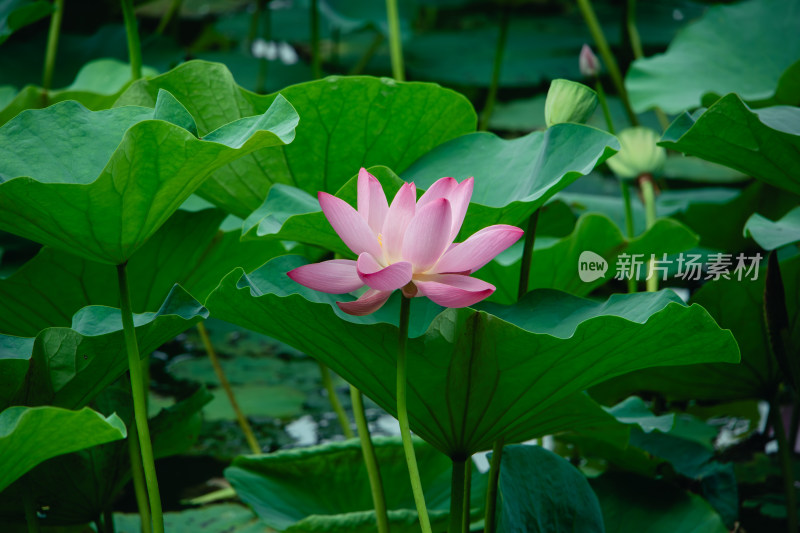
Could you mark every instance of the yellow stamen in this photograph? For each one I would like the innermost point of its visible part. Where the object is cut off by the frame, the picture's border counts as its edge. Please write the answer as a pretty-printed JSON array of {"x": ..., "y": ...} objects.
[{"x": 380, "y": 240}]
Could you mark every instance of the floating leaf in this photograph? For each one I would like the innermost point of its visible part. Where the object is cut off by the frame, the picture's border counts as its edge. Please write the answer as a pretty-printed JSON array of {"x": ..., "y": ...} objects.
[
  {"x": 514, "y": 177},
  {"x": 723, "y": 52},
  {"x": 67, "y": 367},
  {"x": 635, "y": 503},
  {"x": 97, "y": 86},
  {"x": 771, "y": 235},
  {"x": 340, "y": 131},
  {"x": 325, "y": 488},
  {"x": 763, "y": 143},
  {"x": 88, "y": 198},
  {"x": 541, "y": 491},
  {"x": 556, "y": 264},
  {"x": 30, "y": 435},
  {"x": 560, "y": 343}
]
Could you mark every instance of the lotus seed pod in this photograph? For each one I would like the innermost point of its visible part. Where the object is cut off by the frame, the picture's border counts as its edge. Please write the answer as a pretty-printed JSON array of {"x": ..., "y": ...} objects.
[
  {"x": 569, "y": 101},
  {"x": 639, "y": 154},
  {"x": 588, "y": 63}
]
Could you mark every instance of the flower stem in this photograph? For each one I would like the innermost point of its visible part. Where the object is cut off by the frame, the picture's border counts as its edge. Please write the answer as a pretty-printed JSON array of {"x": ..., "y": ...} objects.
[
  {"x": 499, "y": 52},
  {"x": 527, "y": 254},
  {"x": 402, "y": 417},
  {"x": 626, "y": 198},
  {"x": 370, "y": 461},
  {"x": 316, "y": 60},
  {"x": 785, "y": 454},
  {"x": 327, "y": 382},
  {"x": 490, "y": 522},
  {"x": 134, "y": 45},
  {"x": 223, "y": 380},
  {"x": 138, "y": 391},
  {"x": 601, "y": 95},
  {"x": 395, "y": 42},
  {"x": 457, "y": 487},
  {"x": 649, "y": 198},
  {"x": 137, "y": 474},
  {"x": 52, "y": 49},
  {"x": 169, "y": 14},
  {"x": 608, "y": 57}
]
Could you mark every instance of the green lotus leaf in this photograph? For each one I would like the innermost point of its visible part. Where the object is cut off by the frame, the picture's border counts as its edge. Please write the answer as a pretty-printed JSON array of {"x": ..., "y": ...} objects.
[
  {"x": 16, "y": 14},
  {"x": 541, "y": 491},
  {"x": 514, "y": 177},
  {"x": 67, "y": 367},
  {"x": 635, "y": 503},
  {"x": 188, "y": 249},
  {"x": 30, "y": 435},
  {"x": 763, "y": 143},
  {"x": 560, "y": 343},
  {"x": 325, "y": 488},
  {"x": 720, "y": 54},
  {"x": 738, "y": 306},
  {"x": 771, "y": 235},
  {"x": 220, "y": 518},
  {"x": 97, "y": 86},
  {"x": 100, "y": 183},
  {"x": 340, "y": 130},
  {"x": 556, "y": 262},
  {"x": 77, "y": 487}
]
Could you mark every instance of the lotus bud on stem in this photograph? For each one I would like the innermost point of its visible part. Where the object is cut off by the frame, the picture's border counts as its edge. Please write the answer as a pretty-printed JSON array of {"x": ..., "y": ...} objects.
[{"x": 569, "y": 101}]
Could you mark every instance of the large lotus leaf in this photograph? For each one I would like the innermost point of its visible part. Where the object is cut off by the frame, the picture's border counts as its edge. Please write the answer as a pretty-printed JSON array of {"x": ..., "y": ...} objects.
[
  {"x": 100, "y": 183},
  {"x": 97, "y": 86},
  {"x": 76, "y": 488},
  {"x": 528, "y": 357},
  {"x": 737, "y": 305},
  {"x": 188, "y": 249},
  {"x": 723, "y": 52},
  {"x": 514, "y": 177},
  {"x": 16, "y": 14},
  {"x": 555, "y": 262},
  {"x": 220, "y": 518},
  {"x": 325, "y": 488},
  {"x": 30, "y": 435},
  {"x": 348, "y": 122},
  {"x": 634, "y": 503},
  {"x": 771, "y": 235},
  {"x": 67, "y": 367},
  {"x": 542, "y": 492},
  {"x": 763, "y": 143}
]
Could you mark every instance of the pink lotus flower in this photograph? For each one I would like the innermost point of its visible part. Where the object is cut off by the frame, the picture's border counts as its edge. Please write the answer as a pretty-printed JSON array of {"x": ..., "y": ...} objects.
[{"x": 408, "y": 245}]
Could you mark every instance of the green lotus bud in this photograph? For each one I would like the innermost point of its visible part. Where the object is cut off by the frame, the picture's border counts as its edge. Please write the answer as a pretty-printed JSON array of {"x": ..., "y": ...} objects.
[
  {"x": 569, "y": 101},
  {"x": 639, "y": 154}
]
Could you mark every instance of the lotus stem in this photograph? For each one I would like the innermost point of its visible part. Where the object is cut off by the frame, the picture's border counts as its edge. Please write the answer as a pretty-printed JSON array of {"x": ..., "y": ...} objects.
[
  {"x": 649, "y": 198},
  {"x": 30, "y": 505},
  {"x": 785, "y": 454},
  {"x": 467, "y": 492},
  {"x": 134, "y": 45},
  {"x": 261, "y": 12},
  {"x": 499, "y": 52},
  {"x": 138, "y": 391},
  {"x": 370, "y": 461},
  {"x": 601, "y": 95},
  {"x": 368, "y": 55},
  {"x": 490, "y": 521},
  {"x": 169, "y": 14},
  {"x": 108, "y": 520},
  {"x": 608, "y": 57},
  {"x": 226, "y": 385},
  {"x": 395, "y": 41},
  {"x": 52, "y": 50},
  {"x": 527, "y": 254},
  {"x": 626, "y": 199},
  {"x": 327, "y": 382},
  {"x": 457, "y": 489},
  {"x": 316, "y": 60},
  {"x": 139, "y": 485},
  {"x": 402, "y": 417}
]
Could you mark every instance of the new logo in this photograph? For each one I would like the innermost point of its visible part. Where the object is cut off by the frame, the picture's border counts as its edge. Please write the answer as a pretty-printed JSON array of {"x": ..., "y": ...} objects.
[{"x": 591, "y": 266}]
